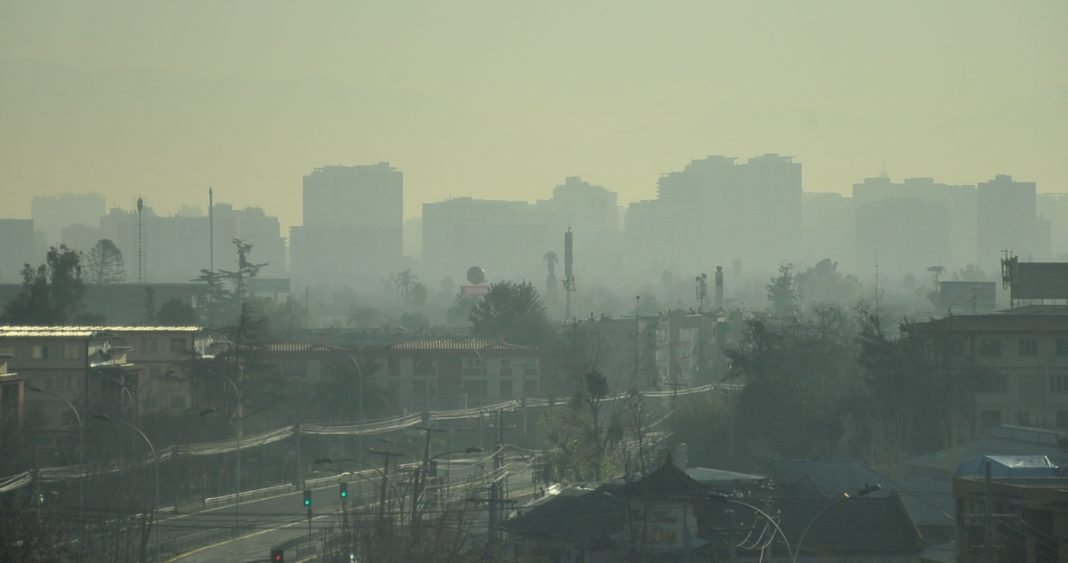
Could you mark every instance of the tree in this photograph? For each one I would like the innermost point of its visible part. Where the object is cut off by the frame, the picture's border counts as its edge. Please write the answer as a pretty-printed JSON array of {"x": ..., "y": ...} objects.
[
  {"x": 513, "y": 311},
  {"x": 551, "y": 259},
  {"x": 823, "y": 283},
  {"x": 585, "y": 435},
  {"x": 405, "y": 281},
  {"x": 782, "y": 292},
  {"x": 225, "y": 304},
  {"x": 104, "y": 263},
  {"x": 51, "y": 294}
]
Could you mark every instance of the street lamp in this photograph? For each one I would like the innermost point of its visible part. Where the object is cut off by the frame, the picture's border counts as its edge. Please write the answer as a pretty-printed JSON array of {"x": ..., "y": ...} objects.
[
  {"x": 240, "y": 431},
  {"x": 106, "y": 418},
  {"x": 866, "y": 489},
  {"x": 81, "y": 444}
]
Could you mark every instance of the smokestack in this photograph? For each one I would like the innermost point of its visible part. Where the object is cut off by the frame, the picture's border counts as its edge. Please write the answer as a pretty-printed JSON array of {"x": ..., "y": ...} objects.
[{"x": 719, "y": 287}]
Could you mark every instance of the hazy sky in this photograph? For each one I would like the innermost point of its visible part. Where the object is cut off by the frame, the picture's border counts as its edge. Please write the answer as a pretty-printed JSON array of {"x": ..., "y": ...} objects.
[{"x": 504, "y": 99}]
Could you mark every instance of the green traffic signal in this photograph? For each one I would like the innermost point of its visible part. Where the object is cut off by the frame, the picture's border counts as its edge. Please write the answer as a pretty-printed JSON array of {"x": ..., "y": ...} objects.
[
  {"x": 343, "y": 490},
  {"x": 307, "y": 498}
]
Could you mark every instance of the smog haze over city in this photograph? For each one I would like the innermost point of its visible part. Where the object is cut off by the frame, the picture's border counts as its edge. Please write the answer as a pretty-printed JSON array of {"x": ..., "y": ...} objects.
[{"x": 534, "y": 282}]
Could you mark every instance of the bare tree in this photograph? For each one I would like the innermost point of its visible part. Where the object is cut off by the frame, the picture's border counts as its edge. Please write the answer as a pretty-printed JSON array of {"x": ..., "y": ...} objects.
[{"x": 104, "y": 263}]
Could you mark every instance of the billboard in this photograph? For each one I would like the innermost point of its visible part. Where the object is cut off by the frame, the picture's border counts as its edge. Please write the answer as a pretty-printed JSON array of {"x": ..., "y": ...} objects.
[{"x": 1038, "y": 280}]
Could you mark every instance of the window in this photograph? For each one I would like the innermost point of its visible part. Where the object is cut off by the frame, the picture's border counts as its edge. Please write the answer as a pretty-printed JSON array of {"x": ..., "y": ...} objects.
[
  {"x": 1062, "y": 419},
  {"x": 1062, "y": 347},
  {"x": 39, "y": 352},
  {"x": 1058, "y": 384},
  {"x": 71, "y": 352},
  {"x": 506, "y": 363},
  {"x": 993, "y": 383},
  {"x": 506, "y": 389},
  {"x": 150, "y": 344},
  {"x": 990, "y": 347},
  {"x": 1028, "y": 347},
  {"x": 423, "y": 366},
  {"x": 394, "y": 365},
  {"x": 989, "y": 419},
  {"x": 530, "y": 371},
  {"x": 178, "y": 345},
  {"x": 474, "y": 363}
]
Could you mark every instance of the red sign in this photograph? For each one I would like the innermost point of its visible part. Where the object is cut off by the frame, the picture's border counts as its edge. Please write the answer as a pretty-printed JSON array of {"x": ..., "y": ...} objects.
[{"x": 474, "y": 290}]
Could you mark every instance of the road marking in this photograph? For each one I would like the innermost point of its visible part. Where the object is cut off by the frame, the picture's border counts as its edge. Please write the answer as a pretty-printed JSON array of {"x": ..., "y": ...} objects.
[{"x": 244, "y": 537}]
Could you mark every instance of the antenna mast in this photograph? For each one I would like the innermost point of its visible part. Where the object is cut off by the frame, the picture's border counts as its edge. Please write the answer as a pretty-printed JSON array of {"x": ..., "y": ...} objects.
[
  {"x": 211, "y": 229},
  {"x": 140, "y": 240},
  {"x": 569, "y": 276}
]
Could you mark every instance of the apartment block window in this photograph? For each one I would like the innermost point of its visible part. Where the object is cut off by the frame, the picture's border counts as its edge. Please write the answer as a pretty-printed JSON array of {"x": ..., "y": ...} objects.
[
  {"x": 72, "y": 352},
  {"x": 1028, "y": 347},
  {"x": 150, "y": 344},
  {"x": 39, "y": 352},
  {"x": 993, "y": 383},
  {"x": 178, "y": 345},
  {"x": 990, "y": 347},
  {"x": 1058, "y": 384},
  {"x": 1062, "y": 347},
  {"x": 506, "y": 389},
  {"x": 989, "y": 419},
  {"x": 422, "y": 366}
]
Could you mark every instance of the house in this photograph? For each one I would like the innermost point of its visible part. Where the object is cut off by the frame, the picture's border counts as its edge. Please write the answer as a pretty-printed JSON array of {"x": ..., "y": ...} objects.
[
  {"x": 1027, "y": 518},
  {"x": 12, "y": 410},
  {"x": 445, "y": 373}
]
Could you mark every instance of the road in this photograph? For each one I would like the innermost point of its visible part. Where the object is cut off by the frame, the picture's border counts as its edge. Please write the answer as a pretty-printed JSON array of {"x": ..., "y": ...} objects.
[{"x": 207, "y": 535}]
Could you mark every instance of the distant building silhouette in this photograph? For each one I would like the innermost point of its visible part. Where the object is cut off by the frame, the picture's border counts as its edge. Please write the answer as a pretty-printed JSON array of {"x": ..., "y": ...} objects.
[
  {"x": 715, "y": 211},
  {"x": 353, "y": 227},
  {"x": 51, "y": 213},
  {"x": 1008, "y": 220},
  {"x": 16, "y": 248},
  {"x": 1054, "y": 208},
  {"x": 829, "y": 229},
  {"x": 940, "y": 218},
  {"x": 504, "y": 237}
]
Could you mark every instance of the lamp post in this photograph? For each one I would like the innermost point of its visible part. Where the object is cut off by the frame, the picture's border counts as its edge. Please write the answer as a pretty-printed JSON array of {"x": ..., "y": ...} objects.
[
  {"x": 240, "y": 431},
  {"x": 471, "y": 450},
  {"x": 869, "y": 488},
  {"x": 81, "y": 445},
  {"x": 155, "y": 457}
]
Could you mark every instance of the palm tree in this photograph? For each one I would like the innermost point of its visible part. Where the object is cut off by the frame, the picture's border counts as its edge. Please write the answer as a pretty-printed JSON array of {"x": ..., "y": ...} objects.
[{"x": 405, "y": 281}]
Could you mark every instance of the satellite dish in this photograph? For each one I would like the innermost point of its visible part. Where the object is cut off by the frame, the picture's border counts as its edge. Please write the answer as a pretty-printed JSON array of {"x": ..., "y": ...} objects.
[{"x": 476, "y": 275}]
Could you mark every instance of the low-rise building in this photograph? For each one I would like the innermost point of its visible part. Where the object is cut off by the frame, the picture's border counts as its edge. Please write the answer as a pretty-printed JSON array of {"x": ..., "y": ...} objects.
[
  {"x": 1027, "y": 515},
  {"x": 456, "y": 373},
  {"x": 1017, "y": 364}
]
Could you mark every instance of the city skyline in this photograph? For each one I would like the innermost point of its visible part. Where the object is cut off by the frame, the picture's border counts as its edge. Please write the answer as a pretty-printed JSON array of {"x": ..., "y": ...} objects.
[{"x": 842, "y": 88}]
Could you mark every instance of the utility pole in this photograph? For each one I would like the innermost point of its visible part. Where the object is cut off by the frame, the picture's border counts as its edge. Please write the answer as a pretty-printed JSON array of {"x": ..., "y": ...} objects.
[
  {"x": 496, "y": 502},
  {"x": 386, "y": 456},
  {"x": 989, "y": 537},
  {"x": 569, "y": 276},
  {"x": 418, "y": 486},
  {"x": 211, "y": 229}
]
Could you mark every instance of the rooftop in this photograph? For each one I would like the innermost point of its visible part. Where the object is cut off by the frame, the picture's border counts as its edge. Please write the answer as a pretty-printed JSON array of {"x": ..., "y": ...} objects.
[
  {"x": 75, "y": 331},
  {"x": 458, "y": 344}
]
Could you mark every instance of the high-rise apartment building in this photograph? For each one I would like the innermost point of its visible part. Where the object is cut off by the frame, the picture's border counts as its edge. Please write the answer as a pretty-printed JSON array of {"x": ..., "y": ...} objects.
[
  {"x": 1008, "y": 220},
  {"x": 353, "y": 226},
  {"x": 715, "y": 211},
  {"x": 506, "y": 238},
  {"x": 16, "y": 248},
  {"x": 51, "y": 213}
]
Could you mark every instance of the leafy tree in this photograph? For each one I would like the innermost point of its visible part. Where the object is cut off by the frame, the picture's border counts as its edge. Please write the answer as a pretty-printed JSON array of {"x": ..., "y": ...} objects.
[
  {"x": 218, "y": 297},
  {"x": 224, "y": 304},
  {"x": 513, "y": 311},
  {"x": 337, "y": 396},
  {"x": 797, "y": 373},
  {"x": 177, "y": 313},
  {"x": 586, "y": 435},
  {"x": 823, "y": 283},
  {"x": 51, "y": 294},
  {"x": 104, "y": 263},
  {"x": 782, "y": 292}
]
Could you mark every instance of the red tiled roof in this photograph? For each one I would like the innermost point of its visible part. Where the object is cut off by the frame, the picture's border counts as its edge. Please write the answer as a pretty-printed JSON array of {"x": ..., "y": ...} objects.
[{"x": 459, "y": 345}]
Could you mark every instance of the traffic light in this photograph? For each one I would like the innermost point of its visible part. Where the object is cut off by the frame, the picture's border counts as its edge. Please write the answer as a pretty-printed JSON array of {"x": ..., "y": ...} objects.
[
  {"x": 307, "y": 498},
  {"x": 277, "y": 555},
  {"x": 343, "y": 490}
]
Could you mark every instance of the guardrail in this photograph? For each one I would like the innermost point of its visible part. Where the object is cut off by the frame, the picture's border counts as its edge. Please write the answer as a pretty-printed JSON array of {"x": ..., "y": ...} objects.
[{"x": 212, "y": 502}]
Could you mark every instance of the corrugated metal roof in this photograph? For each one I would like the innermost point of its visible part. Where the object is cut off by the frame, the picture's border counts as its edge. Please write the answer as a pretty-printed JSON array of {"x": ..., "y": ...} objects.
[
  {"x": 290, "y": 347},
  {"x": 460, "y": 345}
]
